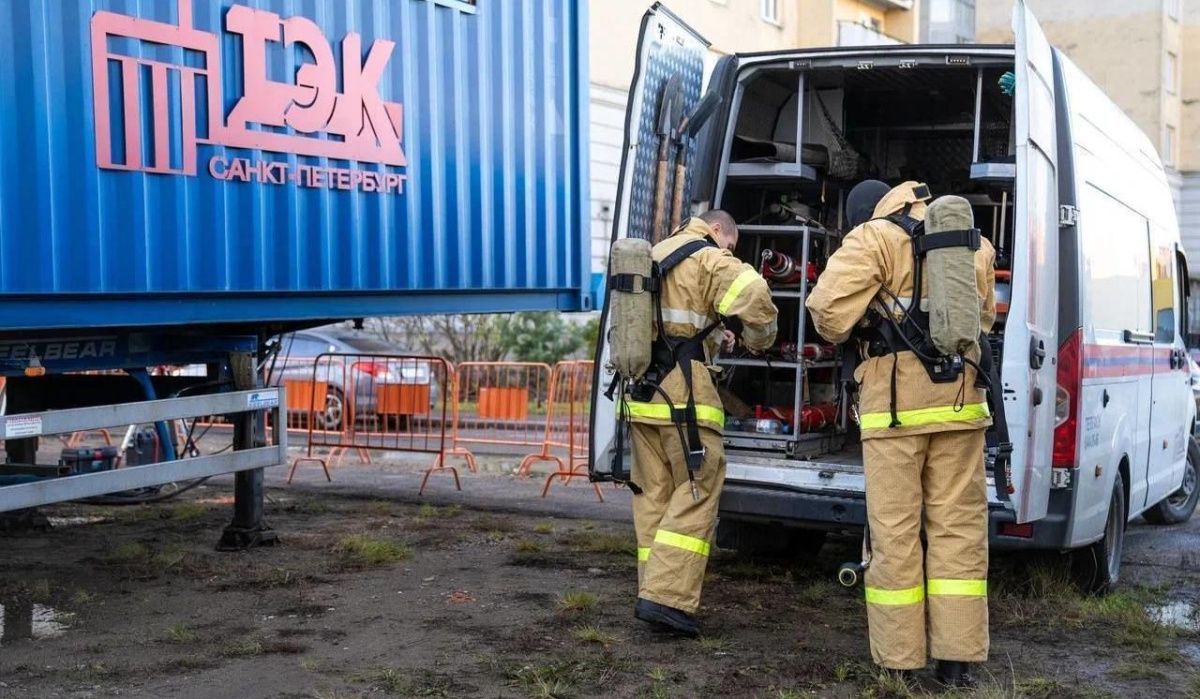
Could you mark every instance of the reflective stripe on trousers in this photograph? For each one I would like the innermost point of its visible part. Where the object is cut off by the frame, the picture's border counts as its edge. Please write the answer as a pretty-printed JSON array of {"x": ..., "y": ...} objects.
[
  {"x": 935, "y": 587},
  {"x": 662, "y": 411},
  {"x": 682, "y": 541},
  {"x": 925, "y": 416}
]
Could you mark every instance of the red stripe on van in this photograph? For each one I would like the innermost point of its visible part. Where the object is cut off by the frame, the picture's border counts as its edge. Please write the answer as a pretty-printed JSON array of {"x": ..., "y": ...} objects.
[{"x": 1116, "y": 361}]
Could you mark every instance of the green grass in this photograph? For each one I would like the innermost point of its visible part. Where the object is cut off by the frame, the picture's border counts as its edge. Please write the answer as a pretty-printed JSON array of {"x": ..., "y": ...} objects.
[
  {"x": 180, "y": 633},
  {"x": 527, "y": 546},
  {"x": 404, "y": 683},
  {"x": 366, "y": 550},
  {"x": 556, "y": 679},
  {"x": 815, "y": 593},
  {"x": 382, "y": 508},
  {"x": 543, "y": 528},
  {"x": 308, "y": 664},
  {"x": 599, "y": 542},
  {"x": 1136, "y": 671},
  {"x": 188, "y": 512},
  {"x": 579, "y": 601},
  {"x": 243, "y": 649},
  {"x": 591, "y": 634},
  {"x": 714, "y": 644}
]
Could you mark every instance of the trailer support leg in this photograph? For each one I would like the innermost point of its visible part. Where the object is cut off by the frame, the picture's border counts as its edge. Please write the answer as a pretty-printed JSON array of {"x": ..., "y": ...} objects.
[{"x": 247, "y": 530}]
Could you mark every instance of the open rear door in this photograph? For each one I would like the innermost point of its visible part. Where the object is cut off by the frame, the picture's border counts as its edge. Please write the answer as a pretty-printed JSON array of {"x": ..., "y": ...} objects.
[
  {"x": 1030, "y": 342},
  {"x": 667, "y": 48}
]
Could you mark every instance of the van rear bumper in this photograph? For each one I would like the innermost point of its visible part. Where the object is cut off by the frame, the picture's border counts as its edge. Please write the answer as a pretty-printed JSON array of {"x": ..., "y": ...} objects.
[{"x": 847, "y": 511}]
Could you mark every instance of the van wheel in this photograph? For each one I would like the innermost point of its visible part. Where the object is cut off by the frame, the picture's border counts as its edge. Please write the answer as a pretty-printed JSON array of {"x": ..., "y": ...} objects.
[
  {"x": 1179, "y": 506},
  {"x": 1098, "y": 567},
  {"x": 769, "y": 541}
]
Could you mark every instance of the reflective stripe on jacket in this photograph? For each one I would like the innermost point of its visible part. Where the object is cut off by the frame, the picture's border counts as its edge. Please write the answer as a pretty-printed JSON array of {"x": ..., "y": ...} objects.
[{"x": 876, "y": 258}]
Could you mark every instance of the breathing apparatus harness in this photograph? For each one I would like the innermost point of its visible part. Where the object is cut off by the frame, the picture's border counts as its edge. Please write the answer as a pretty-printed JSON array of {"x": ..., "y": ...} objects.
[
  {"x": 667, "y": 353},
  {"x": 885, "y": 334}
]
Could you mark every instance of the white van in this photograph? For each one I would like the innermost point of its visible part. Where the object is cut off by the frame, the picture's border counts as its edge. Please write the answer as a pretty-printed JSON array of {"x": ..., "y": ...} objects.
[{"x": 1091, "y": 276}]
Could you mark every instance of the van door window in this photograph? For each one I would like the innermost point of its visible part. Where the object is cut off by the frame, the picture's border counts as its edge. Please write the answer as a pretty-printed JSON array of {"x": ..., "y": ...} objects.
[
  {"x": 1116, "y": 252},
  {"x": 1162, "y": 287}
]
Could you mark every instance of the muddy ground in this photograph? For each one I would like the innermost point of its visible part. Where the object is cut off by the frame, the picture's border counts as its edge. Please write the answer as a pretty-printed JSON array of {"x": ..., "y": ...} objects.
[{"x": 494, "y": 592}]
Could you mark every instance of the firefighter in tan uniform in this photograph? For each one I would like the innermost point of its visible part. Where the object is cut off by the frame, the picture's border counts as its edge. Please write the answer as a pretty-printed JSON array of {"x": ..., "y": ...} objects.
[
  {"x": 923, "y": 447},
  {"x": 675, "y": 511}
]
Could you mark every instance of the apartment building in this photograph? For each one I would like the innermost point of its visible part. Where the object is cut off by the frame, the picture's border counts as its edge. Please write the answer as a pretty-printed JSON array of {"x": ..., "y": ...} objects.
[{"x": 731, "y": 26}]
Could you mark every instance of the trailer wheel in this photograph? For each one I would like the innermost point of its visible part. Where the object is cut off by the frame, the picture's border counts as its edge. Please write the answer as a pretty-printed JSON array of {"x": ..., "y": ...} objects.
[
  {"x": 1179, "y": 506},
  {"x": 1098, "y": 567}
]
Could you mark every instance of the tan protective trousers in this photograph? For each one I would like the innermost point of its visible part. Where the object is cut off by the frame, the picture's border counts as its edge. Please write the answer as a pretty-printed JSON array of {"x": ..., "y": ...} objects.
[
  {"x": 674, "y": 531},
  {"x": 942, "y": 473}
]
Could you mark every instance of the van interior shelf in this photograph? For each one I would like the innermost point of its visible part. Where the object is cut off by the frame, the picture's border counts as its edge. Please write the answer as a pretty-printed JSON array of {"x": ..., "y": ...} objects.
[{"x": 802, "y": 137}]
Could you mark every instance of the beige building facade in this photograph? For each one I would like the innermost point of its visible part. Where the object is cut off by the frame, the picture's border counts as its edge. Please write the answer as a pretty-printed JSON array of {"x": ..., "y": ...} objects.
[
  {"x": 732, "y": 26},
  {"x": 1145, "y": 54}
]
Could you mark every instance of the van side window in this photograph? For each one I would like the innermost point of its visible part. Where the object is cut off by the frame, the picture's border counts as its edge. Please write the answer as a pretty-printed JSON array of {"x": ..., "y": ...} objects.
[
  {"x": 1116, "y": 258},
  {"x": 1162, "y": 287}
]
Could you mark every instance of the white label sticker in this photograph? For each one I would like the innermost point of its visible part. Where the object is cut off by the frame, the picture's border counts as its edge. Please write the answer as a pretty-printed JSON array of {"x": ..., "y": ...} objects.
[
  {"x": 262, "y": 400},
  {"x": 18, "y": 426}
]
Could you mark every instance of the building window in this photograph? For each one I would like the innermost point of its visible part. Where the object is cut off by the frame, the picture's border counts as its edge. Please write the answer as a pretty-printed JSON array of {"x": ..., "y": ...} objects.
[
  {"x": 1171, "y": 72},
  {"x": 1173, "y": 9},
  {"x": 770, "y": 10},
  {"x": 1168, "y": 155}
]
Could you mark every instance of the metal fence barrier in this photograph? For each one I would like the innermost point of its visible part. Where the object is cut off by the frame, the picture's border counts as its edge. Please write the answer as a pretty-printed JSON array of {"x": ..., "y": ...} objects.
[
  {"x": 567, "y": 424},
  {"x": 502, "y": 404},
  {"x": 389, "y": 402}
]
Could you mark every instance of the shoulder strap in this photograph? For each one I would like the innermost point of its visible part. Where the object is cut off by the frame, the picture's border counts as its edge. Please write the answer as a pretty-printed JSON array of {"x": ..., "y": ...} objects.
[
  {"x": 967, "y": 238},
  {"x": 682, "y": 253}
]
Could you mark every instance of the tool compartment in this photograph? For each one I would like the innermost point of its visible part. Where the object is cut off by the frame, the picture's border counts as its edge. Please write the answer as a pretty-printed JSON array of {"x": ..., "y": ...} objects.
[{"x": 942, "y": 122}]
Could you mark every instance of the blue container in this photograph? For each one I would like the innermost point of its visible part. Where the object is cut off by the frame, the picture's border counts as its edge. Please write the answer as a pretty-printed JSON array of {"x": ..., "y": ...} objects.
[{"x": 249, "y": 162}]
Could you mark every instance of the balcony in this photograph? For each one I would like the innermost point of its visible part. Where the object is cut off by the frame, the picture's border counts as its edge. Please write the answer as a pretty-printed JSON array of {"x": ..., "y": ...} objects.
[
  {"x": 855, "y": 34},
  {"x": 891, "y": 4}
]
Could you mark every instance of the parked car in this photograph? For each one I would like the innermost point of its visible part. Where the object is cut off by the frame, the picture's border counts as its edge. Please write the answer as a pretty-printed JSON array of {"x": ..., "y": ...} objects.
[
  {"x": 1194, "y": 378},
  {"x": 351, "y": 362}
]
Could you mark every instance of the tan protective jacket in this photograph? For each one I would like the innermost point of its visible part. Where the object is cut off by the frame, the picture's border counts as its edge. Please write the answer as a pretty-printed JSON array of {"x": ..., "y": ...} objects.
[
  {"x": 878, "y": 255},
  {"x": 710, "y": 283}
]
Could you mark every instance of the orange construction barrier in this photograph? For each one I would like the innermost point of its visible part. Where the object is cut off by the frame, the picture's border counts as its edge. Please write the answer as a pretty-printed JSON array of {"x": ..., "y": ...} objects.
[
  {"x": 567, "y": 424},
  {"x": 390, "y": 402},
  {"x": 500, "y": 403}
]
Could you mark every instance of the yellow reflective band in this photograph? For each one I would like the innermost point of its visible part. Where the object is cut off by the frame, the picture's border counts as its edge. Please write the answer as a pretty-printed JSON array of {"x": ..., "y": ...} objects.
[
  {"x": 662, "y": 411},
  {"x": 643, "y": 554},
  {"x": 957, "y": 588},
  {"x": 895, "y": 598},
  {"x": 681, "y": 541},
  {"x": 735, "y": 289},
  {"x": 924, "y": 416}
]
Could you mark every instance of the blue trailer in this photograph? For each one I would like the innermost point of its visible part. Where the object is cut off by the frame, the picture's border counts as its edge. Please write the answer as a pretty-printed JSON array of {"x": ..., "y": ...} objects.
[{"x": 180, "y": 180}]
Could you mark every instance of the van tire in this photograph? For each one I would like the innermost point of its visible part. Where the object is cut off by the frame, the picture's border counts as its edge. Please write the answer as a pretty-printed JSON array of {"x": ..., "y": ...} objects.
[
  {"x": 1098, "y": 567},
  {"x": 1178, "y": 507},
  {"x": 769, "y": 541}
]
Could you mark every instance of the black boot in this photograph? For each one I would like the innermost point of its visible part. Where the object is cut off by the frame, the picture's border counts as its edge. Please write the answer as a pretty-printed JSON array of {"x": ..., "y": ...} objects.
[
  {"x": 667, "y": 618},
  {"x": 954, "y": 673}
]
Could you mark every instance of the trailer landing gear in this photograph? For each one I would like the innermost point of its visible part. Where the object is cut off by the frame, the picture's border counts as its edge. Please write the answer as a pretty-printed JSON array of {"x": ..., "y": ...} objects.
[{"x": 247, "y": 530}]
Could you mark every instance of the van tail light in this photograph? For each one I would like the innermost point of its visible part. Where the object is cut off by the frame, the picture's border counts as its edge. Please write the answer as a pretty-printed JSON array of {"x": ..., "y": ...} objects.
[{"x": 1066, "y": 401}]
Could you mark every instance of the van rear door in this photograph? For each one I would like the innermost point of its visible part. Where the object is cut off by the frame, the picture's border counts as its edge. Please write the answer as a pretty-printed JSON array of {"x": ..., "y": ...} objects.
[
  {"x": 1030, "y": 341},
  {"x": 667, "y": 48}
]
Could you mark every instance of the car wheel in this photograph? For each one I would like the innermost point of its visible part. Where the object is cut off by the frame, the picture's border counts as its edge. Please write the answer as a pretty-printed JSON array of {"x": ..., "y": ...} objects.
[
  {"x": 335, "y": 410},
  {"x": 1098, "y": 567},
  {"x": 1179, "y": 506}
]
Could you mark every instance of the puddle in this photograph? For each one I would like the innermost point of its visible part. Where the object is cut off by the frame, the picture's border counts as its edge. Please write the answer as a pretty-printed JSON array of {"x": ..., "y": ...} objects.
[
  {"x": 1179, "y": 615},
  {"x": 21, "y": 621},
  {"x": 58, "y": 522}
]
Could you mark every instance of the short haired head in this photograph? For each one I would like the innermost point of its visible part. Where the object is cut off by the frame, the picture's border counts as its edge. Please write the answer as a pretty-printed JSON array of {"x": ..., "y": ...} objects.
[{"x": 724, "y": 228}]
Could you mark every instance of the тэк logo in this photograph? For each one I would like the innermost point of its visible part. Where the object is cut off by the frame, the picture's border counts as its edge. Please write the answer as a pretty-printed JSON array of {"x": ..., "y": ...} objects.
[{"x": 284, "y": 117}]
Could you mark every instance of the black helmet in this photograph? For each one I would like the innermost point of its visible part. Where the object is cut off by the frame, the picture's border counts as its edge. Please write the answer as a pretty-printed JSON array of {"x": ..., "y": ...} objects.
[{"x": 860, "y": 205}]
